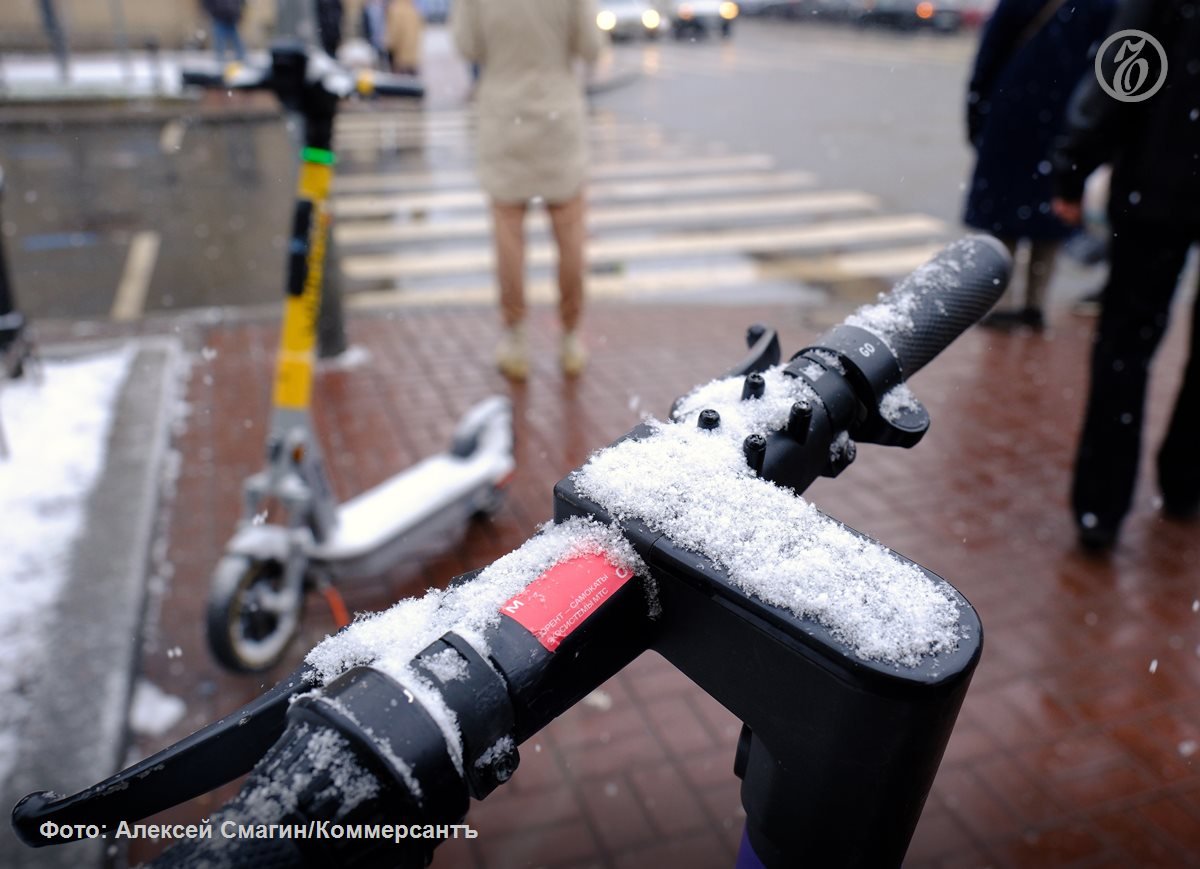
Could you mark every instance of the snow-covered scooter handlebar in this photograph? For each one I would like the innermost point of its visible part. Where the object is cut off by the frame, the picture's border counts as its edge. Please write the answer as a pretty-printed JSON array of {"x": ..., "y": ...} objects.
[
  {"x": 846, "y": 662},
  {"x": 320, "y": 73}
]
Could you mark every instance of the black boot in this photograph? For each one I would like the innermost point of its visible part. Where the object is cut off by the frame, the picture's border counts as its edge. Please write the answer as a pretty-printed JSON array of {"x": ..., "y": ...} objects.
[
  {"x": 1095, "y": 534},
  {"x": 1007, "y": 321}
]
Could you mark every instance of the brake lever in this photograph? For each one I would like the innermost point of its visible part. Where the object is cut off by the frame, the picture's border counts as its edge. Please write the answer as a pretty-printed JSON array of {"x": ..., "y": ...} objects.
[
  {"x": 234, "y": 76},
  {"x": 209, "y": 758},
  {"x": 764, "y": 352}
]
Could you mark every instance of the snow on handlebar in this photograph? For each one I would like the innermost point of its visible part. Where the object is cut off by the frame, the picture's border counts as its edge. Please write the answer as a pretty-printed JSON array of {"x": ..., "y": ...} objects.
[
  {"x": 318, "y": 70},
  {"x": 407, "y": 713}
]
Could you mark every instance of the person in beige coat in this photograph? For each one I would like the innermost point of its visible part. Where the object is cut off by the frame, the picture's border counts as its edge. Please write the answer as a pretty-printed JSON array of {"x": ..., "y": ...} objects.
[
  {"x": 405, "y": 28},
  {"x": 532, "y": 144}
]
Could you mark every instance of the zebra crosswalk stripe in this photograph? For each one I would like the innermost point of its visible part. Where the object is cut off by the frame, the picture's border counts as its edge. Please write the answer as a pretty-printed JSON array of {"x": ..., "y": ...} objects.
[
  {"x": 817, "y": 269},
  {"x": 372, "y": 121},
  {"x": 757, "y": 240},
  {"x": 391, "y": 136},
  {"x": 543, "y": 289},
  {"x": 435, "y": 179},
  {"x": 369, "y": 205},
  {"x": 703, "y": 211},
  {"x": 665, "y": 218}
]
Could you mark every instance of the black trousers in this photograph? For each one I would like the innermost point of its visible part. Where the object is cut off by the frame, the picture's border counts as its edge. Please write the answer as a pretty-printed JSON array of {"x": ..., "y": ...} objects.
[{"x": 1146, "y": 260}]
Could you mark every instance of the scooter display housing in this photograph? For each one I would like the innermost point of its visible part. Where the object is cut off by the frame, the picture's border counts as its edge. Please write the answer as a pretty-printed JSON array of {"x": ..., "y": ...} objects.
[{"x": 838, "y": 764}]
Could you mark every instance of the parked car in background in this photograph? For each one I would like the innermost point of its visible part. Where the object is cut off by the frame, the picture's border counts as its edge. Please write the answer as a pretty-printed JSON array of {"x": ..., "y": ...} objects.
[
  {"x": 838, "y": 10},
  {"x": 629, "y": 19},
  {"x": 777, "y": 8},
  {"x": 976, "y": 12},
  {"x": 942, "y": 15},
  {"x": 702, "y": 17}
]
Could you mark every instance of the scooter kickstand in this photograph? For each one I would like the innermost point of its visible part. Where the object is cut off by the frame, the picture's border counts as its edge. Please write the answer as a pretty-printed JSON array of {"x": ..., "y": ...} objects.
[{"x": 333, "y": 599}]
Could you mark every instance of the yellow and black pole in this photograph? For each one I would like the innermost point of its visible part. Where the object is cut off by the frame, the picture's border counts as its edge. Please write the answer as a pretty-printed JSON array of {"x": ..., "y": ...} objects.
[
  {"x": 259, "y": 584},
  {"x": 305, "y": 269},
  {"x": 293, "y": 444}
]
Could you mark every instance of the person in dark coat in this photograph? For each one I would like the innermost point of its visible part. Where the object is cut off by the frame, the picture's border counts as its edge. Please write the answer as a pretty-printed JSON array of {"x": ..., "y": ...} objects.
[
  {"x": 374, "y": 30},
  {"x": 1154, "y": 209},
  {"x": 1031, "y": 56},
  {"x": 225, "y": 15},
  {"x": 329, "y": 25}
]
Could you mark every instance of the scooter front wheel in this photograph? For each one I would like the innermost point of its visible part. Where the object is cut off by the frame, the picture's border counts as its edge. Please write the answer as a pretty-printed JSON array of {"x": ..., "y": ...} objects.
[
  {"x": 254, "y": 611},
  {"x": 488, "y": 503}
]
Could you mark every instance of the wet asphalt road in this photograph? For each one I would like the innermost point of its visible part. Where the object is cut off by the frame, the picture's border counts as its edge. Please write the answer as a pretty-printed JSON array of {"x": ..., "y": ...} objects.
[
  {"x": 76, "y": 198},
  {"x": 870, "y": 111}
]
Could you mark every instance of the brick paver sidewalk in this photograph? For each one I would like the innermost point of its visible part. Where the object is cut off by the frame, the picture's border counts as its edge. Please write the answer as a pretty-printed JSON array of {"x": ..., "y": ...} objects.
[{"x": 1073, "y": 749}]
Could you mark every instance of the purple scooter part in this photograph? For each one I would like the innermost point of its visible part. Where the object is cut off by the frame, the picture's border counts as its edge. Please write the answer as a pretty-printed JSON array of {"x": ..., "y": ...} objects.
[{"x": 746, "y": 858}]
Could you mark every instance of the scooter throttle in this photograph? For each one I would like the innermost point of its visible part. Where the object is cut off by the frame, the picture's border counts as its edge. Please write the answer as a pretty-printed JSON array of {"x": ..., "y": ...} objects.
[
  {"x": 204, "y": 78},
  {"x": 235, "y": 77},
  {"x": 939, "y": 301}
]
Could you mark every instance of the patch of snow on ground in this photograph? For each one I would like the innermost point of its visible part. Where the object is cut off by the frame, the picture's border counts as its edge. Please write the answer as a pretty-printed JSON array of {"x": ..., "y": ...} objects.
[
  {"x": 354, "y": 356},
  {"x": 599, "y": 699},
  {"x": 57, "y": 434},
  {"x": 153, "y": 712}
]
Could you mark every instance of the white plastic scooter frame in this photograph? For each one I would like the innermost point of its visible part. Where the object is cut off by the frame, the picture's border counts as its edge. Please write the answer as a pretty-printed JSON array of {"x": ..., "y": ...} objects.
[{"x": 401, "y": 516}]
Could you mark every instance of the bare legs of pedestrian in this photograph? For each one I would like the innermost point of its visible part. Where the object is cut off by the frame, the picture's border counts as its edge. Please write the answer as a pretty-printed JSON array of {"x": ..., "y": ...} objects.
[
  {"x": 508, "y": 233},
  {"x": 570, "y": 230}
]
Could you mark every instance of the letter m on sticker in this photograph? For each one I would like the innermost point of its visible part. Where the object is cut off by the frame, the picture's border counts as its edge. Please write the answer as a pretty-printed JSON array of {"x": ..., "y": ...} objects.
[{"x": 565, "y": 596}]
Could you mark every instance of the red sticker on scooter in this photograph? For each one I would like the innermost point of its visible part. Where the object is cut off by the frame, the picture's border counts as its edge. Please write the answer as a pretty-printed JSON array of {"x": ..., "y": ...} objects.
[{"x": 564, "y": 597}]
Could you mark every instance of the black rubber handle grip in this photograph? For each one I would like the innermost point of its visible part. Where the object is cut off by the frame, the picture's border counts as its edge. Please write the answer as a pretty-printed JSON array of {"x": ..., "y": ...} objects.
[
  {"x": 388, "y": 85},
  {"x": 309, "y": 778},
  {"x": 204, "y": 78},
  {"x": 233, "y": 78},
  {"x": 939, "y": 301},
  {"x": 232, "y": 853}
]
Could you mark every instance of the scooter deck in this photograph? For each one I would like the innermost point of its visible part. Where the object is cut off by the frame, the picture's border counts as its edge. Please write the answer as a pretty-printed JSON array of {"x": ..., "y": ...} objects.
[{"x": 367, "y": 522}]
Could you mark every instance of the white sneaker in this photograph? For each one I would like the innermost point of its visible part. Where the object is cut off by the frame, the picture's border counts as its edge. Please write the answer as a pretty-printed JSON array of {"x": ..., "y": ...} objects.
[
  {"x": 572, "y": 356},
  {"x": 512, "y": 354}
]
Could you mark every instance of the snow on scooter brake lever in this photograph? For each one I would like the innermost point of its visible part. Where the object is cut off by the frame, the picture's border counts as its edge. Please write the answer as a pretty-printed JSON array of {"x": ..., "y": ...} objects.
[
  {"x": 432, "y": 697},
  {"x": 321, "y": 74}
]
